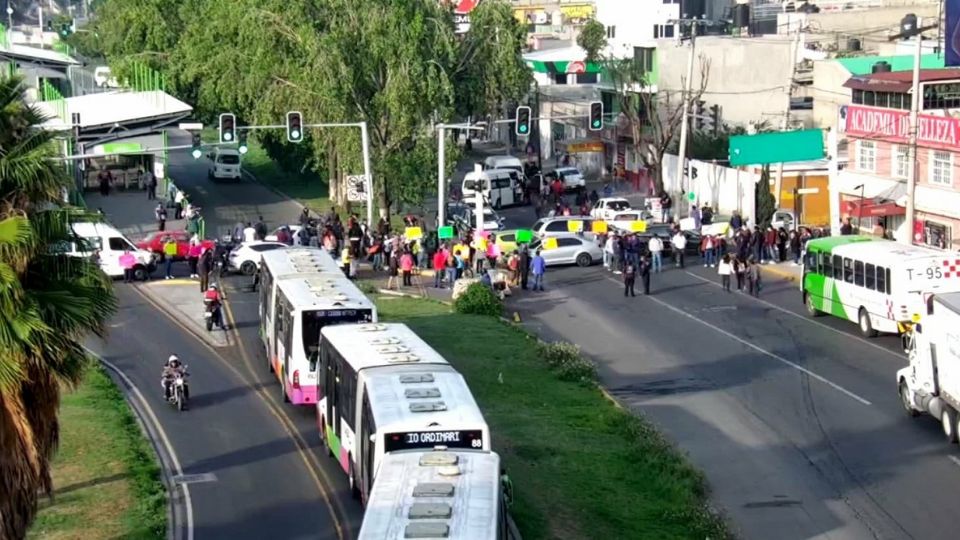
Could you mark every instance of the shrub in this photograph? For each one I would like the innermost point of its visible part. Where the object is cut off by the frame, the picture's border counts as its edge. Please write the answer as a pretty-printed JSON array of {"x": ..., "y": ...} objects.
[
  {"x": 478, "y": 299},
  {"x": 568, "y": 363}
]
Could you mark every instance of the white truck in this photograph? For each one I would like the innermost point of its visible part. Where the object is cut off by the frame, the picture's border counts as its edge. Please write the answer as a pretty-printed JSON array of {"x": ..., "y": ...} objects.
[{"x": 931, "y": 382}]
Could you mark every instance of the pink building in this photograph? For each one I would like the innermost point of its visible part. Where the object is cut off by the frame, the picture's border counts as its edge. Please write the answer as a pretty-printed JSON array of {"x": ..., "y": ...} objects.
[{"x": 872, "y": 187}]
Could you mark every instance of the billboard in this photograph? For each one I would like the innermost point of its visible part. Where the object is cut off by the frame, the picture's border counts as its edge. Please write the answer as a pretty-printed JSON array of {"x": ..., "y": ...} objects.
[
  {"x": 893, "y": 125},
  {"x": 952, "y": 37},
  {"x": 778, "y": 147},
  {"x": 461, "y": 14}
]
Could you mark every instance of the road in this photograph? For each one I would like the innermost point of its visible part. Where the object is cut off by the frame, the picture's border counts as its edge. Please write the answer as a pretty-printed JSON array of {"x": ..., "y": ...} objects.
[{"x": 262, "y": 485}]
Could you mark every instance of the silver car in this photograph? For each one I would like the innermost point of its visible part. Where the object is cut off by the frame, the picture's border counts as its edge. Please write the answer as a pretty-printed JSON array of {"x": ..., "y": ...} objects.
[{"x": 578, "y": 249}]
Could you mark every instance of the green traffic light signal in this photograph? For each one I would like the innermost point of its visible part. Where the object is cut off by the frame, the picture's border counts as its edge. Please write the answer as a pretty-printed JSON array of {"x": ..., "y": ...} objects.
[{"x": 523, "y": 129}]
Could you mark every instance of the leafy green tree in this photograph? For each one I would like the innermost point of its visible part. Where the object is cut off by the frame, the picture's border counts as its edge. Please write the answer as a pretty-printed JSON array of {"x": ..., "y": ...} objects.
[
  {"x": 765, "y": 202},
  {"x": 49, "y": 304},
  {"x": 592, "y": 39}
]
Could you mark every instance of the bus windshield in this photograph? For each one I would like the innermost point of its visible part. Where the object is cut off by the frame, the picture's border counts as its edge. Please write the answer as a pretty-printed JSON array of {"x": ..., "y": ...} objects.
[{"x": 315, "y": 320}]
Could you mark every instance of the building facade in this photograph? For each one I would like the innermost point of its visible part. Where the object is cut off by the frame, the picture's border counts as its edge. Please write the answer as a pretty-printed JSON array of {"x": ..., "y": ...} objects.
[{"x": 872, "y": 188}]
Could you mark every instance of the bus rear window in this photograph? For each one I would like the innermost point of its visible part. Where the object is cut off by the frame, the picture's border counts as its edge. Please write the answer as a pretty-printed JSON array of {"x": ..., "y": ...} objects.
[{"x": 314, "y": 321}]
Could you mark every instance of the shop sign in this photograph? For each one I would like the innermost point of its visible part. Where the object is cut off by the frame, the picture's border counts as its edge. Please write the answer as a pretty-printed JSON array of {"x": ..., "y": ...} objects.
[{"x": 894, "y": 125}]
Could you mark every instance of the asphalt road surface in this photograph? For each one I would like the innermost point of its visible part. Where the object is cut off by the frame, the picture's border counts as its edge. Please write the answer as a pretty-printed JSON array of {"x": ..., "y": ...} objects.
[{"x": 257, "y": 482}]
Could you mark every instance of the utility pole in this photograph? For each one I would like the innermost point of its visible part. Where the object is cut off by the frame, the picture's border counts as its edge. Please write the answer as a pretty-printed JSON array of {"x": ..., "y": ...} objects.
[
  {"x": 687, "y": 89},
  {"x": 910, "y": 26},
  {"x": 785, "y": 125}
]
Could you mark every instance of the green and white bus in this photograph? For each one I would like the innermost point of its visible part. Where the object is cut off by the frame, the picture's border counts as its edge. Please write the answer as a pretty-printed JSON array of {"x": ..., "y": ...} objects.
[{"x": 877, "y": 283}]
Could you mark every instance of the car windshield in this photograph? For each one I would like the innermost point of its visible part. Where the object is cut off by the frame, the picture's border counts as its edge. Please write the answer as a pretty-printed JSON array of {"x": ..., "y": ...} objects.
[
  {"x": 473, "y": 185},
  {"x": 618, "y": 205},
  {"x": 568, "y": 172},
  {"x": 229, "y": 159}
]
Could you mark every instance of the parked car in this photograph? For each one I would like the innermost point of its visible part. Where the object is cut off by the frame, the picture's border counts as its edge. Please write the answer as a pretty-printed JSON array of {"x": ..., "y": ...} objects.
[
  {"x": 154, "y": 242},
  {"x": 571, "y": 177},
  {"x": 294, "y": 230},
  {"x": 785, "y": 219},
  {"x": 623, "y": 219},
  {"x": 224, "y": 164},
  {"x": 608, "y": 206},
  {"x": 507, "y": 241},
  {"x": 554, "y": 226},
  {"x": 245, "y": 258},
  {"x": 578, "y": 249},
  {"x": 463, "y": 218}
]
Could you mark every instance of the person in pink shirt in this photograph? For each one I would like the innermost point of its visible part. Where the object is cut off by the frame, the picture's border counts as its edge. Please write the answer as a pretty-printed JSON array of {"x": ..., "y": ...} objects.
[
  {"x": 406, "y": 267},
  {"x": 193, "y": 255},
  {"x": 493, "y": 251},
  {"x": 127, "y": 262}
]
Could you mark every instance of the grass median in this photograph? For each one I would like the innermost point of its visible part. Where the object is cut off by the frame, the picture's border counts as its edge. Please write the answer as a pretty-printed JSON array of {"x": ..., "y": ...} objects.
[
  {"x": 581, "y": 466},
  {"x": 307, "y": 187},
  {"x": 105, "y": 475}
]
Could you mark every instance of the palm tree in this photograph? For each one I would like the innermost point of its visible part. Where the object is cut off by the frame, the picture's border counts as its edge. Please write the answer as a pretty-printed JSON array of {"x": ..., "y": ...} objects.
[{"x": 49, "y": 303}]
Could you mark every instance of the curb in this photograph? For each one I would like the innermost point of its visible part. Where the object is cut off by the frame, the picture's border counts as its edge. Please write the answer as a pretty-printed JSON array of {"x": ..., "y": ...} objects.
[
  {"x": 399, "y": 294},
  {"x": 781, "y": 273}
]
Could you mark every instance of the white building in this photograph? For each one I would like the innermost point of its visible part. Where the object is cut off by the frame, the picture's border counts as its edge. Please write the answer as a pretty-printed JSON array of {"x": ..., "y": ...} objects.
[{"x": 636, "y": 23}]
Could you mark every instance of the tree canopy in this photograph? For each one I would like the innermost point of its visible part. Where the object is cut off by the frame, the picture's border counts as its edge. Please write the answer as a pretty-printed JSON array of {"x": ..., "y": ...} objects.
[
  {"x": 396, "y": 64},
  {"x": 592, "y": 39}
]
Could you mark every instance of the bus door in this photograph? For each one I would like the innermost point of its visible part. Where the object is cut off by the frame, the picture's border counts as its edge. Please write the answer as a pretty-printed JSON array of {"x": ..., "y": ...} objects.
[{"x": 368, "y": 444}]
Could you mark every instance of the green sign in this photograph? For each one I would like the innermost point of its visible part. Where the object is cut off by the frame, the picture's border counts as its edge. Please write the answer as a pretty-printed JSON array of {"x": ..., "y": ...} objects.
[
  {"x": 122, "y": 148},
  {"x": 691, "y": 196},
  {"x": 780, "y": 147},
  {"x": 445, "y": 233},
  {"x": 524, "y": 236}
]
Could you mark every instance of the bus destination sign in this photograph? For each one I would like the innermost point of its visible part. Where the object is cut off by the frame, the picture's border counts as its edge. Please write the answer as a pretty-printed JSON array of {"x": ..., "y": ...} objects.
[{"x": 429, "y": 439}]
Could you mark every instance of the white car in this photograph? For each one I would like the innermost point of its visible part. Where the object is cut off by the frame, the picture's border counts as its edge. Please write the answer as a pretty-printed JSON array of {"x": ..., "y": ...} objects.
[
  {"x": 103, "y": 78},
  {"x": 225, "y": 165},
  {"x": 272, "y": 237},
  {"x": 245, "y": 258},
  {"x": 463, "y": 216},
  {"x": 571, "y": 177},
  {"x": 578, "y": 249},
  {"x": 608, "y": 206},
  {"x": 624, "y": 219}
]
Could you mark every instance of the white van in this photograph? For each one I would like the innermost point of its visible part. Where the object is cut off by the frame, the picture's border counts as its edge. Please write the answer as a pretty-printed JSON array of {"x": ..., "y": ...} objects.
[
  {"x": 103, "y": 78},
  {"x": 111, "y": 243},
  {"x": 499, "y": 187},
  {"x": 503, "y": 162},
  {"x": 225, "y": 164}
]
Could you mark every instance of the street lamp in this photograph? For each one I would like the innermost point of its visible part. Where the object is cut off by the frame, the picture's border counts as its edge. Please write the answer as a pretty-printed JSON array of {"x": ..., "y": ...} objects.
[{"x": 860, "y": 208}]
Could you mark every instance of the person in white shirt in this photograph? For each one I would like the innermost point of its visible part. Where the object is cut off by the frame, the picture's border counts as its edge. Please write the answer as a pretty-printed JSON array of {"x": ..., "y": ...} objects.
[
  {"x": 249, "y": 233},
  {"x": 608, "y": 252},
  {"x": 725, "y": 269},
  {"x": 679, "y": 242},
  {"x": 656, "y": 253}
]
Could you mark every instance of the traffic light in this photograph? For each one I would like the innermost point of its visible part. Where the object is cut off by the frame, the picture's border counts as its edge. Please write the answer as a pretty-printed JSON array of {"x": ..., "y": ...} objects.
[
  {"x": 523, "y": 120},
  {"x": 596, "y": 116},
  {"x": 197, "y": 144},
  {"x": 294, "y": 126},
  {"x": 228, "y": 128},
  {"x": 66, "y": 29},
  {"x": 242, "y": 138}
]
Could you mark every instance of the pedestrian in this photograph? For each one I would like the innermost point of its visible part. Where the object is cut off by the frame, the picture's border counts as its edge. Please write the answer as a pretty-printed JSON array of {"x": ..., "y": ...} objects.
[
  {"x": 150, "y": 181},
  {"x": 725, "y": 268},
  {"x": 451, "y": 268},
  {"x": 740, "y": 269},
  {"x": 795, "y": 247},
  {"x": 524, "y": 266},
  {"x": 160, "y": 212},
  {"x": 666, "y": 203},
  {"x": 708, "y": 247},
  {"x": 204, "y": 267},
  {"x": 439, "y": 266},
  {"x": 393, "y": 269},
  {"x": 629, "y": 279},
  {"x": 770, "y": 244},
  {"x": 655, "y": 245},
  {"x": 513, "y": 265},
  {"x": 406, "y": 267},
  {"x": 645, "y": 274},
  {"x": 345, "y": 257},
  {"x": 105, "y": 179},
  {"x": 193, "y": 256},
  {"x": 846, "y": 228},
  {"x": 679, "y": 242},
  {"x": 608, "y": 252},
  {"x": 782, "y": 238},
  {"x": 753, "y": 277},
  {"x": 538, "y": 267},
  {"x": 249, "y": 233},
  {"x": 127, "y": 262},
  {"x": 169, "y": 253},
  {"x": 178, "y": 200},
  {"x": 260, "y": 228}
]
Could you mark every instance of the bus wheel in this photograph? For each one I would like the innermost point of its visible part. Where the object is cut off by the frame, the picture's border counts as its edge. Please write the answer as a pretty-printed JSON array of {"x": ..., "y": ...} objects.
[
  {"x": 948, "y": 418},
  {"x": 811, "y": 310},
  {"x": 866, "y": 328}
]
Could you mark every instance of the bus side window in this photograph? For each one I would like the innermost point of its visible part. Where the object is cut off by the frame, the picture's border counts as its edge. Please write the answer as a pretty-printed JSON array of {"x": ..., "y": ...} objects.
[
  {"x": 826, "y": 269},
  {"x": 871, "y": 277},
  {"x": 858, "y": 273},
  {"x": 810, "y": 262},
  {"x": 848, "y": 270},
  {"x": 837, "y": 267},
  {"x": 882, "y": 274}
]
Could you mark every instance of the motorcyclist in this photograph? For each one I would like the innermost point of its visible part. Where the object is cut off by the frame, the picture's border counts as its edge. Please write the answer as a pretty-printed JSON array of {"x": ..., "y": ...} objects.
[
  {"x": 171, "y": 369},
  {"x": 212, "y": 299}
]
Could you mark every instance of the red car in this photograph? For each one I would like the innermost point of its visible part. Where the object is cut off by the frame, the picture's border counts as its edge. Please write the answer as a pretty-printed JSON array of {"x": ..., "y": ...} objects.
[{"x": 155, "y": 240}]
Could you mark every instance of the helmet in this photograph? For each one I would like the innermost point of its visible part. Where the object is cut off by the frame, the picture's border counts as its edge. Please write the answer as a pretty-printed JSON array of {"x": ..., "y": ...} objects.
[
  {"x": 173, "y": 358},
  {"x": 212, "y": 287}
]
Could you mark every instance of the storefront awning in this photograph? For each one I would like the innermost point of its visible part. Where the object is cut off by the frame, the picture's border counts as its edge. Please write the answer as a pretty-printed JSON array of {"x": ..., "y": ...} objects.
[{"x": 870, "y": 208}]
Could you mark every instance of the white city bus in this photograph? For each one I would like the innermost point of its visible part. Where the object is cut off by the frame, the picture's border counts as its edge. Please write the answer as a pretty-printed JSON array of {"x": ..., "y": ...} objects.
[
  {"x": 876, "y": 283},
  {"x": 440, "y": 494},
  {"x": 384, "y": 389},
  {"x": 303, "y": 306}
]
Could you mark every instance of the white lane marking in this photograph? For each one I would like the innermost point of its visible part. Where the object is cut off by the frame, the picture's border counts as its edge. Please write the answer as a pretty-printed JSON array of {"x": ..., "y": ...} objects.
[
  {"x": 177, "y": 469},
  {"x": 760, "y": 350},
  {"x": 898, "y": 356}
]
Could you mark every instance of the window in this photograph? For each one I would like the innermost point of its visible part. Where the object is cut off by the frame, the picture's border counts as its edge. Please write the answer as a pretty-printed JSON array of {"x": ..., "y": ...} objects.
[
  {"x": 557, "y": 226},
  {"x": 848, "y": 270},
  {"x": 826, "y": 268},
  {"x": 810, "y": 262},
  {"x": 228, "y": 159},
  {"x": 119, "y": 244},
  {"x": 662, "y": 31},
  {"x": 900, "y": 167},
  {"x": 567, "y": 242},
  {"x": 871, "y": 277},
  {"x": 266, "y": 247},
  {"x": 936, "y": 235},
  {"x": 643, "y": 58},
  {"x": 611, "y": 32},
  {"x": 837, "y": 267},
  {"x": 883, "y": 280},
  {"x": 858, "y": 273},
  {"x": 867, "y": 156},
  {"x": 941, "y": 168}
]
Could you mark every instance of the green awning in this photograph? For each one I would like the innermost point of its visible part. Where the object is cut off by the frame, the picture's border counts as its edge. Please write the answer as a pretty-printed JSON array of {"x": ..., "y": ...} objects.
[{"x": 560, "y": 67}]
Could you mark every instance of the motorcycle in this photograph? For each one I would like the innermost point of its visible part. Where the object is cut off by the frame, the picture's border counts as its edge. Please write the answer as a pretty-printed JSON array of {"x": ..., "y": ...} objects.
[
  {"x": 212, "y": 314},
  {"x": 179, "y": 392}
]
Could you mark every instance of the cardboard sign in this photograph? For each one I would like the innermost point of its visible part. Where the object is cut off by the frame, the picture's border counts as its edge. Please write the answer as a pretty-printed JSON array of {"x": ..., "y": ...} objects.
[
  {"x": 574, "y": 225},
  {"x": 716, "y": 229},
  {"x": 638, "y": 226},
  {"x": 445, "y": 233},
  {"x": 550, "y": 243},
  {"x": 480, "y": 243},
  {"x": 413, "y": 233},
  {"x": 524, "y": 236},
  {"x": 688, "y": 224},
  {"x": 599, "y": 227}
]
